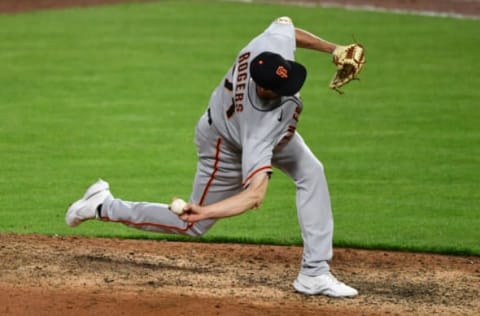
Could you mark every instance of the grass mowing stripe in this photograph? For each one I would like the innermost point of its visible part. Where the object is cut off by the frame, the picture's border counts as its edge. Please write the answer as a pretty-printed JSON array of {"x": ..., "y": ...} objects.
[{"x": 116, "y": 91}]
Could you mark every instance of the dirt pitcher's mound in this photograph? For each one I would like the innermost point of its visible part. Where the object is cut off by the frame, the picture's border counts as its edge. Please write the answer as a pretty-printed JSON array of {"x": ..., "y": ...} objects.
[{"x": 42, "y": 275}]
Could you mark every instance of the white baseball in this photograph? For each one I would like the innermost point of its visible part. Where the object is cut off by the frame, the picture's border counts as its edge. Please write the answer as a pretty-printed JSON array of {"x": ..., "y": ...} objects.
[{"x": 177, "y": 206}]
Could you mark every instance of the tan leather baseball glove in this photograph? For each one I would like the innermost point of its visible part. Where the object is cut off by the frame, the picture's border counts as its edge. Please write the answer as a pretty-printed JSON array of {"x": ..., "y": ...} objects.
[{"x": 349, "y": 61}]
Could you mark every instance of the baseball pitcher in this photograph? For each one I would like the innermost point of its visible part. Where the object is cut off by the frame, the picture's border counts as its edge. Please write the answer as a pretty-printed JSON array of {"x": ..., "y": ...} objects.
[{"x": 248, "y": 128}]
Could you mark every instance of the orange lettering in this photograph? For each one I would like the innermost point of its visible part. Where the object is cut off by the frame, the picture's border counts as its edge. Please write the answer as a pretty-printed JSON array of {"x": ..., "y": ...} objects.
[
  {"x": 282, "y": 72},
  {"x": 297, "y": 112},
  {"x": 240, "y": 87},
  {"x": 242, "y": 77},
  {"x": 238, "y": 97},
  {"x": 244, "y": 57},
  {"x": 242, "y": 67}
]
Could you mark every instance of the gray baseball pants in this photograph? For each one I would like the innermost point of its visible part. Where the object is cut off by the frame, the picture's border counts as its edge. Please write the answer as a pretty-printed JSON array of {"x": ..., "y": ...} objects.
[{"x": 218, "y": 176}]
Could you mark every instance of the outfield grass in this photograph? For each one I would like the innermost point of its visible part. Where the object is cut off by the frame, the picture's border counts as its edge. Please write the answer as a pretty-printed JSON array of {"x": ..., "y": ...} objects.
[{"x": 115, "y": 92}]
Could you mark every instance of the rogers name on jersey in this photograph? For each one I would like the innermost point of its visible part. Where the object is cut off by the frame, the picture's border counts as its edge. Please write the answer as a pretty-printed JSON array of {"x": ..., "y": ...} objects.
[{"x": 242, "y": 75}]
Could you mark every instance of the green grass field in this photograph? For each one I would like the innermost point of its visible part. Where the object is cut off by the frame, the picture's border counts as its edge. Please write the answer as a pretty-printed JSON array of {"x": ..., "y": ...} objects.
[{"x": 115, "y": 92}]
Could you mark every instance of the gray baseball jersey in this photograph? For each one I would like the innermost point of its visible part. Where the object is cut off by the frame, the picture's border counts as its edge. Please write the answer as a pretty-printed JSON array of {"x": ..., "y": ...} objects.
[
  {"x": 249, "y": 124},
  {"x": 239, "y": 136}
]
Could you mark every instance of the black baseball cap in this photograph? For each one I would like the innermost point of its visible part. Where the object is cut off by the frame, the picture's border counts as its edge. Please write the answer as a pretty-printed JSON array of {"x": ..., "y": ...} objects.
[{"x": 271, "y": 71}]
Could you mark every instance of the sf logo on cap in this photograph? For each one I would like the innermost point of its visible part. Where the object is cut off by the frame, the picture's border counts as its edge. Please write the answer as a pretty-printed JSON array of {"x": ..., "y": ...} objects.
[{"x": 282, "y": 72}]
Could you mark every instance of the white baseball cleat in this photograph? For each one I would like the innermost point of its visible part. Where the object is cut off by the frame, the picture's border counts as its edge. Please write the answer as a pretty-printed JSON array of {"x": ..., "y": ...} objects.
[
  {"x": 86, "y": 208},
  {"x": 325, "y": 284}
]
